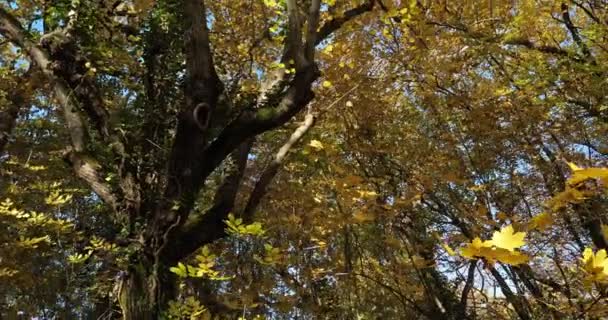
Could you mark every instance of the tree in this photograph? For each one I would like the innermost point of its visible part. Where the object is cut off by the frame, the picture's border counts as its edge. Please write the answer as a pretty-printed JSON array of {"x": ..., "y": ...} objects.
[
  {"x": 116, "y": 108},
  {"x": 454, "y": 166}
]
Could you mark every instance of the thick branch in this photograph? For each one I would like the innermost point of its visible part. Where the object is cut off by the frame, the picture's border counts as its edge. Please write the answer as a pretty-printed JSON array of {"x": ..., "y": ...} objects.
[
  {"x": 202, "y": 82},
  {"x": 70, "y": 66},
  {"x": 533, "y": 46},
  {"x": 192, "y": 161},
  {"x": 468, "y": 284},
  {"x": 294, "y": 34},
  {"x": 573, "y": 31},
  {"x": 12, "y": 30},
  {"x": 210, "y": 225},
  {"x": 336, "y": 23},
  {"x": 311, "y": 34},
  {"x": 518, "y": 302},
  {"x": 202, "y": 90},
  {"x": 87, "y": 171},
  {"x": 527, "y": 43}
]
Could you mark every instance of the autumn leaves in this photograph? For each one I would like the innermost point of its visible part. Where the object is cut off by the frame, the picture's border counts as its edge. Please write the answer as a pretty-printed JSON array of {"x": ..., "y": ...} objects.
[
  {"x": 505, "y": 244},
  {"x": 502, "y": 247}
]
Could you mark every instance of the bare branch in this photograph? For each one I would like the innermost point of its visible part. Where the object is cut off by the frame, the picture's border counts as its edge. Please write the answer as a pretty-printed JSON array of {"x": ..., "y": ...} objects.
[
  {"x": 573, "y": 31},
  {"x": 334, "y": 24},
  {"x": 271, "y": 170},
  {"x": 87, "y": 171},
  {"x": 468, "y": 284}
]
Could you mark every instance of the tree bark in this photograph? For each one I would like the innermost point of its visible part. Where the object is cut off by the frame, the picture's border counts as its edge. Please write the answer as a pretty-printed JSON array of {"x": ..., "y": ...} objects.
[{"x": 145, "y": 290}]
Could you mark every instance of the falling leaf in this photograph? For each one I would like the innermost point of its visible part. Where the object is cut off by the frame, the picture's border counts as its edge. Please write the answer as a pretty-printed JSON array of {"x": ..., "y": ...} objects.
[
  {"x": 508, "y": 239},
  {"x": 541, "y": 221},
  {"x": 316, "y": 144},
  {"x": 473, "y": 249},
  {"x": 509, "y": 257},
  {"x": 596, "y": 265}
]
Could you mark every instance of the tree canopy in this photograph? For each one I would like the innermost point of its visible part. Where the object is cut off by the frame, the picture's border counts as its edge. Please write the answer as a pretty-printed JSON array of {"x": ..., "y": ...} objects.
[{"x": 303, "y": 159}]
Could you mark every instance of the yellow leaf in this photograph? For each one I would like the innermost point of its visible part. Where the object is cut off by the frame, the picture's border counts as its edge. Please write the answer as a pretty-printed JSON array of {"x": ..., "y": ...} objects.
[
  {"x": 541, "y": 221},
  {"x": 473, "y": 249},
  {"x": 562, "y": 199},
  {"x": 502, "y": 216},
  {"x": 364, "y": 216},
  {"x": 589, "y": 173},
  {"x": 605, "y": 231},
  {"x": 510, "y": 257},
  {"x": 316, "y": 144},
  {"x": 574, "y": 167},
  {"x": 367, "y": 194},
  {"x": 447, "y": 249},
  {"x": 596, "y": 265},
  {"x": 326, "y": 84},
  {"x": 508, "y": 239}
]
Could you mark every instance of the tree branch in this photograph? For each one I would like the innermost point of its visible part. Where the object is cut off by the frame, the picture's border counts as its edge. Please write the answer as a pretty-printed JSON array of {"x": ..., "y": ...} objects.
[
  {"x": 573, "y": 31},
  {"x": 468, "y": 285},
  {"x": 189, "y": 167},
  {"x": 527, "y": 43},
  {"x": 202, "y": 82},
  {"x": 87, "y": 171},
  {"x": 12, "y": 30},
  {"x": 294, "y": 35},
  {"x": 202, "y": 90},
  {"x": 311, "y": 34},
  {"x": 336, "y": 23},
  {"x": 271, "y": 170},
  {"x": 210, "y": 225}
]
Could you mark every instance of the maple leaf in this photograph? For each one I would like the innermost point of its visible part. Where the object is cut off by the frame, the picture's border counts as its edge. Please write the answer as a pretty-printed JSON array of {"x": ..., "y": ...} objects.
[
  {"x": 590, "y": 173},
  {"x": 596, "y": 265},
  {"x": 474, "y": 249},
  {"x": 541, "y": 221},
  {"x": 574, "y": 167},
  {"x": 510, "y": 257},
  {"x": 508, "y": 239},
  {"x": 448, "y": 249}
]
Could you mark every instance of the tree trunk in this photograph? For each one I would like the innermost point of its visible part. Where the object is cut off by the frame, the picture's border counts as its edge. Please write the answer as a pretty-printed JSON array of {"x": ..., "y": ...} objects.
[{"x": 145, "y": 290}]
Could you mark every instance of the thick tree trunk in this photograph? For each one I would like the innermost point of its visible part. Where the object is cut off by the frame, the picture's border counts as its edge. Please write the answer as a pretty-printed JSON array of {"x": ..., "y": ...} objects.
[{"x": 144, "y": 291}]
